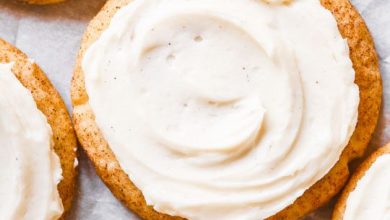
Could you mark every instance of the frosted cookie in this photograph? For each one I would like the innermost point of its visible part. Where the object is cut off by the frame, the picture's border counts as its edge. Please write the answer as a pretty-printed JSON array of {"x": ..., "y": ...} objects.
[
  {"x": 215, "y": 110},
  {"x": 367, "y": 194},
  {"x": 38, "y": 145}
]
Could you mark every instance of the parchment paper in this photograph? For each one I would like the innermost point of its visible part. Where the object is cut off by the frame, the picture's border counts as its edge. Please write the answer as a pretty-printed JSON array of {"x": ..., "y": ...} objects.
[{"x": 51, "y": 36}]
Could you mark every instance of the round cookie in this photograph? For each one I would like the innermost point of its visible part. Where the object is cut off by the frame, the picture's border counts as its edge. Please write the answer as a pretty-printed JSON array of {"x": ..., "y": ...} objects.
[
  {"x": 338, "y": 212},
  {"x": 52, "y": 106},
  {"x": 365, "y": 62}
]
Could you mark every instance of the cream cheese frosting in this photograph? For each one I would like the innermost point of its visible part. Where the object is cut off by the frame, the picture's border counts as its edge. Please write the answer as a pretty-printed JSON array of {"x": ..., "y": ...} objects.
[
  {"x": 29, "y": 168},
  {"x": 371, "y": 197},
  {"x": 223, "y": 109}
]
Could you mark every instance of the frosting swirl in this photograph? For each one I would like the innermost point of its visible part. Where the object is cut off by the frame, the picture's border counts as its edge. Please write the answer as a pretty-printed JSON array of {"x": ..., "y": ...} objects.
[{"x": 222, "y": 110}]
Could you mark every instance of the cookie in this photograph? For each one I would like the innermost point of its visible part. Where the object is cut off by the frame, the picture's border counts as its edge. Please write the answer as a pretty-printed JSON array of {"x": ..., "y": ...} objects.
[
  {"x": 360, "y": 173},
  {"x": 52, "y": 106},
  {"x": 365, "y": 63}
]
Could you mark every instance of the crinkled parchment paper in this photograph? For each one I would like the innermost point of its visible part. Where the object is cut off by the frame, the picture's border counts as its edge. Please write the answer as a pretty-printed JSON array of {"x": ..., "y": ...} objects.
[{"x": 51, "y": 36}]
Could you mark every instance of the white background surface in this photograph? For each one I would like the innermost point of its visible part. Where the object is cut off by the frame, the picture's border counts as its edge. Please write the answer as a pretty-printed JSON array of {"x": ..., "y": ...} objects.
[{"x": 51, "y": 36}]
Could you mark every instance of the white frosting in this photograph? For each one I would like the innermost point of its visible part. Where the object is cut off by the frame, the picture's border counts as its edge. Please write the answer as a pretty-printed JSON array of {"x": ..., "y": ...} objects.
[
  {"x": 371, "y": 197},
  {"x": 222, "y": 109},
  {"x": 29, "y": 168}
]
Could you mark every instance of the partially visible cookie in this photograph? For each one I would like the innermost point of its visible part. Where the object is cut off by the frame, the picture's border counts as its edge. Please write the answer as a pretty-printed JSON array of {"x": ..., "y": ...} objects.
[
  {"x": 52, "y": 106},
  {"x": 358, "y": 182}
]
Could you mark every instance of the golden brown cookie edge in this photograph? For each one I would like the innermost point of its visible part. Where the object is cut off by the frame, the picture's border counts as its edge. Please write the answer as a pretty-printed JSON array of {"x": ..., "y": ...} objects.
[{"x": 42, "y": 2}]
